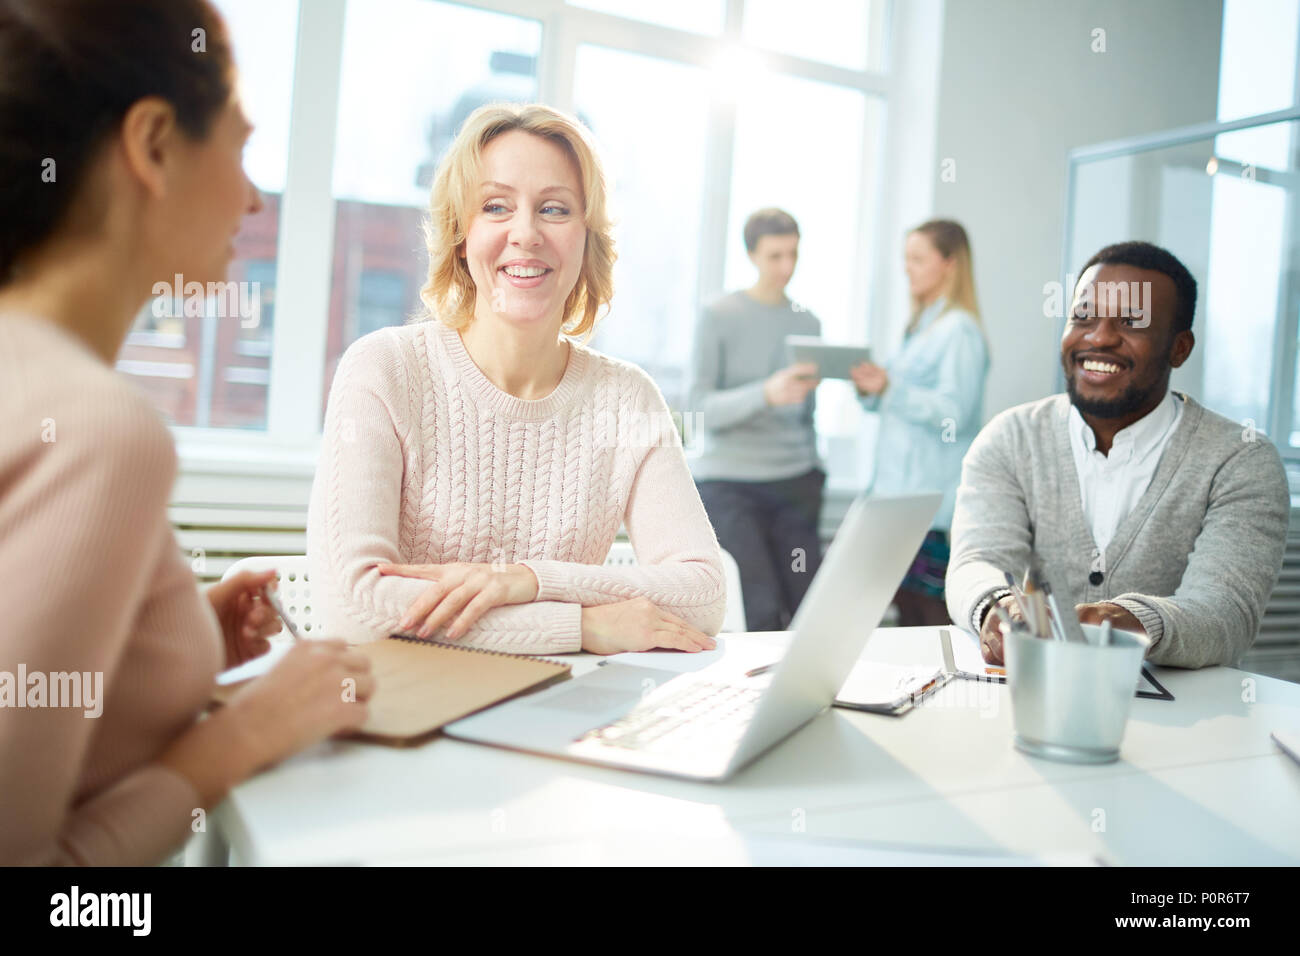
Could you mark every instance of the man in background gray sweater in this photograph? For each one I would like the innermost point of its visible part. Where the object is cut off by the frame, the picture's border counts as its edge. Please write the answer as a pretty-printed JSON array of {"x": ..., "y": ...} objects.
[
  {"x": 1156, "y": 513},
  {"x": 756, "y": 463}
]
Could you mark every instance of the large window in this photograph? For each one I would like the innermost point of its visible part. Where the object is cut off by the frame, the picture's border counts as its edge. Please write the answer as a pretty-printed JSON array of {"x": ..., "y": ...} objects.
[
  {"x": 658, "y": 196},
  {"x": 699, "y": 16},
  {"x": 847, "y": 33},
  {"x": 704, "y": 110},
  {"x": 808, "y": 148}
]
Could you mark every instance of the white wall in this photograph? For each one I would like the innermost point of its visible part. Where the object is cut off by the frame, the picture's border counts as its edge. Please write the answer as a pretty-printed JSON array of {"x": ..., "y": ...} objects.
[{"x": 1019, "y": 85}]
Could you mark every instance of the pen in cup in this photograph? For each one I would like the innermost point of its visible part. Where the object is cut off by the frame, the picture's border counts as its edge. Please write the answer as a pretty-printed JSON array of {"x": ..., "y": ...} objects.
[
  {"x": 1009, "y": 624},
  {"x": 1022, "y": 601},
  {"x": 1033, "y": 588},
  {"x": 1058, "y": 625}
]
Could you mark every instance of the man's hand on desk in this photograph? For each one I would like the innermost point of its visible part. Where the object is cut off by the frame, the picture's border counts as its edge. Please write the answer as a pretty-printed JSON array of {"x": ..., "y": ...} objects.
[
  {"x": 638, "y": 625},
  {"x": 461, "y": 593},
  {"x": 991, "y": 630},
  {"x": 1120, "y": 619}
]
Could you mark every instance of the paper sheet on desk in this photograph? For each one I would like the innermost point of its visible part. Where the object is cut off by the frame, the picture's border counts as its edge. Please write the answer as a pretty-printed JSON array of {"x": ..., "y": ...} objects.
[
  {"x": 257, "y": 666},
  {"x": 885, "y": 686},
  {"x": 966, "y": 652},
  {"x": 735, "y": 652}
]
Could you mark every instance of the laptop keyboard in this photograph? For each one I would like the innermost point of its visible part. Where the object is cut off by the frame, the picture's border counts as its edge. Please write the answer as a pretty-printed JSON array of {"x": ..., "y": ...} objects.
[{"x": 698, "y": 710}]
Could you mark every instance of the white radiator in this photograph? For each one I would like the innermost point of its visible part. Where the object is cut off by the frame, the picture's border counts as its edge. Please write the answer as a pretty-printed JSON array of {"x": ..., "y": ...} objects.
[{"x": 212, "y": 538}]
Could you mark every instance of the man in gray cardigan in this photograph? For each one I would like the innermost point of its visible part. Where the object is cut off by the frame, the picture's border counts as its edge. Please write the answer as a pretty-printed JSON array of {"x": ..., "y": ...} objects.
[{"x": 1156, "y": 513}]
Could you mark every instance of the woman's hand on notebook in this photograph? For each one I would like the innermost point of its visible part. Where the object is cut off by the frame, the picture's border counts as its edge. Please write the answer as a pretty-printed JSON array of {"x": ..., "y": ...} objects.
[
  {"x": 638, "y": 625},
  {"x": 461, "y": 593}
]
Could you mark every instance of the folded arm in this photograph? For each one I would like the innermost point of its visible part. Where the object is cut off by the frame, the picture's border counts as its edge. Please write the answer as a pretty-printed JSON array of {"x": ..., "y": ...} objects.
[{"x": 679, "y": 564}]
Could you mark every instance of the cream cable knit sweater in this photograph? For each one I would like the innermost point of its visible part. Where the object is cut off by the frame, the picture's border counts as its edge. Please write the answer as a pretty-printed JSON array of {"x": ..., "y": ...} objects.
[{"x": 425, "y": 461}]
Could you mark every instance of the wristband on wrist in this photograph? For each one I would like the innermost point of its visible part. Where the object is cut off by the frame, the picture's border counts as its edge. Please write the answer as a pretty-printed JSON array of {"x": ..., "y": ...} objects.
[{"x": 982, "y": 608}]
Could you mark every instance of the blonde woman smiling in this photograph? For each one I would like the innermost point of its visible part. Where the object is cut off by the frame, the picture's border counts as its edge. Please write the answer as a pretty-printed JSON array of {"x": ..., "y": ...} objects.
[{"x": 476, "y": 466}]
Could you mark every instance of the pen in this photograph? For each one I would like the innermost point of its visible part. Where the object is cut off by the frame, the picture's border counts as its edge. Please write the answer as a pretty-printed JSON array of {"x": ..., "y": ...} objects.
[
  {"x": 1034, "y": 596},
  {"x": 1017, "y": 595},
  {"x": 759, "y": 670},
  {"x": 1067, "y": 624},
  {"x": 279, "y": 609},
  {"x": 1058, "y": 627}
]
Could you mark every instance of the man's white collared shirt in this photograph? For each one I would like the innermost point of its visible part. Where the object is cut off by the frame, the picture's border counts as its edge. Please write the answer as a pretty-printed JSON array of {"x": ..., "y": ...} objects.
[{"x": 1111, "y": 485}]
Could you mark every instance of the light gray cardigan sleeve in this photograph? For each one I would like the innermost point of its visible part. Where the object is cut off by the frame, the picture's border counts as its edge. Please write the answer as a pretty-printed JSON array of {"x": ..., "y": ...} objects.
[
  {"x": 990, "y": 523},
  {"x": 1214, "y": 614}
]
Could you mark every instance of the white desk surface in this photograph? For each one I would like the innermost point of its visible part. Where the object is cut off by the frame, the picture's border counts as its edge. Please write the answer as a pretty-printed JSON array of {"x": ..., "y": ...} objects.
[{"x": 1199, "y": 782}]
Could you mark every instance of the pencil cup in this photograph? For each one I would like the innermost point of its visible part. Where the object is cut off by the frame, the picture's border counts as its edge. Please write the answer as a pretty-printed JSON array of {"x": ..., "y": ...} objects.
[{"x": 1071, "y": 701}]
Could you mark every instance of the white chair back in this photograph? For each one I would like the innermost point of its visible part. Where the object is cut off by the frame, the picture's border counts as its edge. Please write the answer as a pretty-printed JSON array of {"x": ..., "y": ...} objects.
[{"x": 293, "y": 587}]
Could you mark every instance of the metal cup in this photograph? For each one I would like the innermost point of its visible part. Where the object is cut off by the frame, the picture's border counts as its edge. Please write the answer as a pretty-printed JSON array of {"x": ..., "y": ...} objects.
[{"x": 1071, "y": 701}]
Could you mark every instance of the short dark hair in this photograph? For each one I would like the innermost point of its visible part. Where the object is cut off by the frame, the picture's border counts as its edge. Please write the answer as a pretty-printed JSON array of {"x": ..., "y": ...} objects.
[
  {"x": 768, "y": 222},
  {"x": 1146, "y": 255},
  {"x": 69, "y": 72}
]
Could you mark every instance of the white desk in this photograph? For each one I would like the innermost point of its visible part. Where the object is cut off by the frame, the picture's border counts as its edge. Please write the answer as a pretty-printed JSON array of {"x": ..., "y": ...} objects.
[{"x": 1199, "y": 782}]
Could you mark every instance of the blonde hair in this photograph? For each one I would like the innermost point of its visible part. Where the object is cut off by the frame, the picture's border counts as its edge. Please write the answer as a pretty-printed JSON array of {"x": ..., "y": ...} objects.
[
  {"x": 449, "y": 294},
  {"x": 950, "y": 241}
]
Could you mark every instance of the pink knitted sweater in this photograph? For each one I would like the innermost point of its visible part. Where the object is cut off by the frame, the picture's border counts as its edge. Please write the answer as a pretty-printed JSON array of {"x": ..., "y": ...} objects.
[
  {"x": 92, "y": 581},
  {"x": 425, "y": 461}
]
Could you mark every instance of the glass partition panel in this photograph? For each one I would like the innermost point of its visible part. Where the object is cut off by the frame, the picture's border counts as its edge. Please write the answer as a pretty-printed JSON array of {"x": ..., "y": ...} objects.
[{"x": 1227, "y": 205}]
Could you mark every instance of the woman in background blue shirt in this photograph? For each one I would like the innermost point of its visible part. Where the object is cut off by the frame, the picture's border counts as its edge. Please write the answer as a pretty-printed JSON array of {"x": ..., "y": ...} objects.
[{"x": 930, "y": 399}]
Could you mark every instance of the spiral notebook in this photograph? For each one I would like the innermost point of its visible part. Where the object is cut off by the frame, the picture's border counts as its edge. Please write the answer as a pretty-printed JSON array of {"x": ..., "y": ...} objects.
[{"x": 422, "y": 685}]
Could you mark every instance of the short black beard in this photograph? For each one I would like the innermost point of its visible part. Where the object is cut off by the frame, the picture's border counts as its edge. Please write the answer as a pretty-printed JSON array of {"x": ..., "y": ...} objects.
[{"x": 1131, "y": 400}]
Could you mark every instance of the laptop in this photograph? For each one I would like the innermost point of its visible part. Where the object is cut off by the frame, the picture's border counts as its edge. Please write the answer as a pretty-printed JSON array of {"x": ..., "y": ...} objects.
[{"x": 705, "y": 725}]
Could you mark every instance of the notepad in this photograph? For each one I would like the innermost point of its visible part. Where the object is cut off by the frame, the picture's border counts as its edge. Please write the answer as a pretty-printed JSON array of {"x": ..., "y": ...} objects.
[
  {"x": 422, "y": 685},
  {"x": 888, "y": 688}
]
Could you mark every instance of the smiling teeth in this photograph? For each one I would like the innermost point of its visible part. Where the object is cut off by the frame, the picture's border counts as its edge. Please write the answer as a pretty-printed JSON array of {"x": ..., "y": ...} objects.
[
  {"x": 524, "y": 272},
  {"x": 1092, "y": 365}
]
